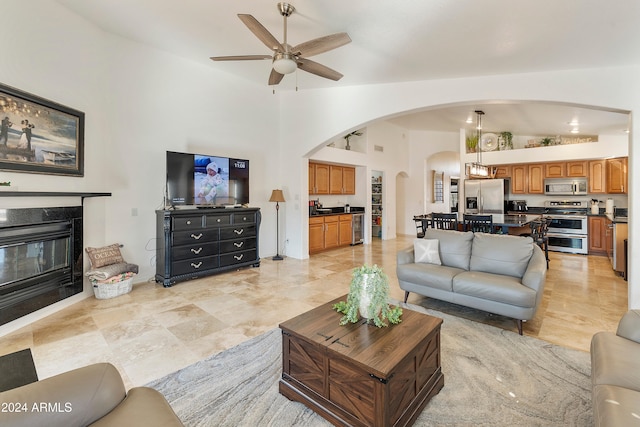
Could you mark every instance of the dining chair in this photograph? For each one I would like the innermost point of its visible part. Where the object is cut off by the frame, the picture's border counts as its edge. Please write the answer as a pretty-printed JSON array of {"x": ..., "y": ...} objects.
[
  {"x": 444, "y": 221},
  {"x": 478, "y": 223},
  {"x": 422, "y": 222}
]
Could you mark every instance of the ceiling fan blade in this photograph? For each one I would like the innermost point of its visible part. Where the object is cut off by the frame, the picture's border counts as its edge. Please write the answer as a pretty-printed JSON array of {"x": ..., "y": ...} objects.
[
  {"x": 240, "y": 57},
  {"x": 275, "y": 77},
  {"x": 261, "y": 32},
  {"x": 318, "y": 69},
  {"x": 321, "y": 44}
]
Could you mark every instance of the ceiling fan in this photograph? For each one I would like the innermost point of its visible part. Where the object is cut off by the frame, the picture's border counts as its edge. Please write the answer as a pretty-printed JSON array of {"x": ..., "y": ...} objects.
[{"x": 286, "y": 58}]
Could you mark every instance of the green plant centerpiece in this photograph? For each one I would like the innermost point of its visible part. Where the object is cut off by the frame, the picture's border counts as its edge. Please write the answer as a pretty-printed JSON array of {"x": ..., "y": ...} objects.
[
  {"x": 545, "y": 142},
  {"x": 507, "y": 137},
  {"x": 368, "y": 297},
  {"x": 472, "y": 143}
]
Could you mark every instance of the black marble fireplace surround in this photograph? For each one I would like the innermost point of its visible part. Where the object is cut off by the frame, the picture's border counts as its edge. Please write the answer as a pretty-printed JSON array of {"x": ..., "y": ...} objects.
[{"x": 40, "y": 258}]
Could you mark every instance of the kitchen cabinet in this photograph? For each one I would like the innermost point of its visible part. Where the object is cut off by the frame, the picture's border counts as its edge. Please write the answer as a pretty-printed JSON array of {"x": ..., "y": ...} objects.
[
  {"x": 502, "y": 171},
  {"x": 342, "y": 180},
  {"x": 329, "y": 231},
  {"x": 577, "y": 169},
  {"x": 349, "y": 180},
  {"x": 536, "y": 179},
  {"x": 572, "y": 169},
  {"x": 345, "y": 222},
  {"x": 597, "y": 235},
  {"x": 316, "y": 234},
  {"x": 617, "y": 175},
  {"x": 318, "y": 178},
  {"x": 331, "y": 179},
  {"x": 555, "y": 170},
  {"x": 597, "y": 176},
  {"x": 519, "y": 179},
  {"x": 620, "y": 233}
]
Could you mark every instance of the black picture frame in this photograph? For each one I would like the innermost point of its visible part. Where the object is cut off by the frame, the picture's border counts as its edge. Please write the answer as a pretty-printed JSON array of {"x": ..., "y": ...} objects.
[{"x": 39, "y": 136}]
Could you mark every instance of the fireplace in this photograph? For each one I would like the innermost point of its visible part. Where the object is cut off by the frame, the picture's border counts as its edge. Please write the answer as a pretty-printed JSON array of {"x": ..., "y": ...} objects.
[{"x": 40, "y": 258}]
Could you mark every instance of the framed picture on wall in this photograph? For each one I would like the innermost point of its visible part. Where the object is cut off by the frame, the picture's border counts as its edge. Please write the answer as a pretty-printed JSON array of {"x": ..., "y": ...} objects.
[{"x": 39, "y": 136}]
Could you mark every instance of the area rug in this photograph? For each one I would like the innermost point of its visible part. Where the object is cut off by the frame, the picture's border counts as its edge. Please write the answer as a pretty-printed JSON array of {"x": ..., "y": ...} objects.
[{"x": 492, "y": 377}]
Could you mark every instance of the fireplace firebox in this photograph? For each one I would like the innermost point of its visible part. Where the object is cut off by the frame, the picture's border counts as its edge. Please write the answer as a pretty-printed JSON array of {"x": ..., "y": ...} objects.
[{"x": 40, "y": 258}]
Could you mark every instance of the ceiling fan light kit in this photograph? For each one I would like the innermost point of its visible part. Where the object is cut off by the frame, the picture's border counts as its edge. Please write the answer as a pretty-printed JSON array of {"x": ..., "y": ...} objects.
[
  {"x": 284, "y": 63},
  {"x": 286, "y": 59}
]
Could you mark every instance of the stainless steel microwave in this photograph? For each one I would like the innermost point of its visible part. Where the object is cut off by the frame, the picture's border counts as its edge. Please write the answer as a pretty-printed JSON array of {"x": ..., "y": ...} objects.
[{"x": 565, "y": 186}]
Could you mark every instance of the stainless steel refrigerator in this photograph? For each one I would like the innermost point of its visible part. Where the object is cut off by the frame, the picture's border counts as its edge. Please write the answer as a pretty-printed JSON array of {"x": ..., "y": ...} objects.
[{"x": 484, "y": 195}]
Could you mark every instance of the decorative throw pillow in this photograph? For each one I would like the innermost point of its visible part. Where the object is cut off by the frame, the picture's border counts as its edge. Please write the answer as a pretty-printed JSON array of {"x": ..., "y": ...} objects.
[
  {"x": 106, "y": 255},
  {"x": 426, "y": 251}
]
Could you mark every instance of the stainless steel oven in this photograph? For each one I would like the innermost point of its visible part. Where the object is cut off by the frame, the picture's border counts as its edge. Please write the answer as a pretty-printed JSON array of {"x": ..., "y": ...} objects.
[
  {"x": 572, "y": 243},
  {"x": 568, "y": 224},
  {"x": 568, "y": 233}
]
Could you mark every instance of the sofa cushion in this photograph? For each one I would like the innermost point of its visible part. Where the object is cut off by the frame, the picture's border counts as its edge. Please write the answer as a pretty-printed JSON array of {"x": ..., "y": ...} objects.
[
  {"x": 501, "y": 254},
  {"x": 494, "y": 287},
  {"x": 455, "y": 246},
  {"x": 629, "y": 326},
  {"x": 431, "y": 275},
  {"x": 426, "y": 251},
  {"x": 615, "y": 361}
]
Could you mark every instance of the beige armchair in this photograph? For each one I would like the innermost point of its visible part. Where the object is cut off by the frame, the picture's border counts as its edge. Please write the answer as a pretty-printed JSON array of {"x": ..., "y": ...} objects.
[{"x": 91, "y": 396}]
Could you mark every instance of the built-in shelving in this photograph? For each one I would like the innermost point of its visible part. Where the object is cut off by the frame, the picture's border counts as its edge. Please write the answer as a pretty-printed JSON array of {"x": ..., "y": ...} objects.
[{"x": 376, "y": 204}]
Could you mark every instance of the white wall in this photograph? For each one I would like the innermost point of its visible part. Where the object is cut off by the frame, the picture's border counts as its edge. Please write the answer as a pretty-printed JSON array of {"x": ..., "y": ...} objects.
[{"x": 139, "y": 102}]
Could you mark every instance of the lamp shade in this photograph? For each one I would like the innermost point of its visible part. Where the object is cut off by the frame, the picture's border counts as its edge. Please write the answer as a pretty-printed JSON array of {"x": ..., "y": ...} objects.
[{"x": 277, "y": 196}]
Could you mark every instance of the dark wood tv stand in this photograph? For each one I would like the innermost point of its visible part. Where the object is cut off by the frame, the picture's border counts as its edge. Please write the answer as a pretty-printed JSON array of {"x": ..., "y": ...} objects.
[{"x": 198, "y": 242}]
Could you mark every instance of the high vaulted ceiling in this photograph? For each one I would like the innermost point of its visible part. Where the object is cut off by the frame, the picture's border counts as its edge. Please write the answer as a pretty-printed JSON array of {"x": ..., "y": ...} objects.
[{"x": 392, "y": 41}]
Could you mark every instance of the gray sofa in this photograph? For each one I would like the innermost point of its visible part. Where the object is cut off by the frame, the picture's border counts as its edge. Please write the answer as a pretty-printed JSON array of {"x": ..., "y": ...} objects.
[
  {"x": 615, "y": 373},
  {"x": 500, "y": 274},
  {"x": 90, "y": 396}
]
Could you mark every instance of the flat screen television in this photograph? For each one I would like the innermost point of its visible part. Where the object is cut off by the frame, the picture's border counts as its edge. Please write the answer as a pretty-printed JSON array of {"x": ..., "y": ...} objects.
[{"x": 204, "y": 180}]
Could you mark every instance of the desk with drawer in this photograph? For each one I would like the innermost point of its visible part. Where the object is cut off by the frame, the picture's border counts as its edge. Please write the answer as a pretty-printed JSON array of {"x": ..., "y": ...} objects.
[{"x": 193, "y": 243}]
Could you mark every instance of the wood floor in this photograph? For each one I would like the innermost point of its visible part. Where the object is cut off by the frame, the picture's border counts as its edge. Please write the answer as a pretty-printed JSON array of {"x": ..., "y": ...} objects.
[{"x": 153, "y": 331}]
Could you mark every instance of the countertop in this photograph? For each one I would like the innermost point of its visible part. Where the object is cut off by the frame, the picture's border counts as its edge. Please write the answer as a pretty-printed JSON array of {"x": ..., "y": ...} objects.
[
  {"x": 617, "y": 219},
  {"x": 338, "y": 211}
]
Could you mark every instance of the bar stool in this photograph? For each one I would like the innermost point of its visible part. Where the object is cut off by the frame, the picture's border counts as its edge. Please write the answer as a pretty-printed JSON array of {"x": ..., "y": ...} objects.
[{"x": 539, "y": 229}]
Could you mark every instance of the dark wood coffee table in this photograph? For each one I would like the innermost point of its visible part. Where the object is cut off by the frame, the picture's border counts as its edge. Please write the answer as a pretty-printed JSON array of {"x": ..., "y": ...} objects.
[{"x": 359, "y": 374}]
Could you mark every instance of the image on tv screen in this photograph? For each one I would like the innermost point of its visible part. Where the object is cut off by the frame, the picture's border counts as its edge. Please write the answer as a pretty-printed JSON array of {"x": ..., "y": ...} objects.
[{"x": 211, "y": 180}]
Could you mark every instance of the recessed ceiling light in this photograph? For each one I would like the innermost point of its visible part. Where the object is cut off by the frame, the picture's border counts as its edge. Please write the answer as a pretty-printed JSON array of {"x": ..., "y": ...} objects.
[
  {"x": 574, "y": 122},
  {"x": 575, "y": 130},
  {"x": 469, "y": 119}
]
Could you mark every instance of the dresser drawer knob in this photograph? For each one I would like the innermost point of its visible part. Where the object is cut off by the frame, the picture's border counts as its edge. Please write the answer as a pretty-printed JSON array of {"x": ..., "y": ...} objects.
[
  {"x": 238, "y": 257},
  {"x": 196, "y": 265},
  {"x": 196, "y": 236},
  {"x": 196, "y": 251},
  {"x": 188, "y": 222},
  {"x": 244, "y": 218},
  {"x": 238, "y": 244},
  {"x": 219, "y": 220},
  {"x": 239, "y": 232}
]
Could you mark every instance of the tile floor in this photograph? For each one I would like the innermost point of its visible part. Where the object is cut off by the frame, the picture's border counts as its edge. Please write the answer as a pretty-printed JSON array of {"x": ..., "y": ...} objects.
[{"x": 153, "y": 331}]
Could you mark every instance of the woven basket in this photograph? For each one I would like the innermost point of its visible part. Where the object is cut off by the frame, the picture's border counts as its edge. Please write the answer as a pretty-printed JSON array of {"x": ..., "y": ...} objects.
[{"x": 112, "y": 290}]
